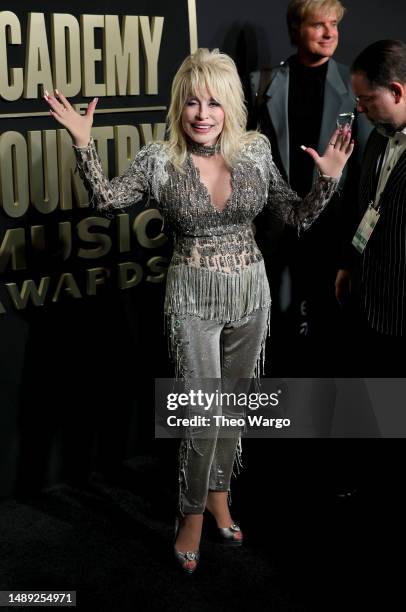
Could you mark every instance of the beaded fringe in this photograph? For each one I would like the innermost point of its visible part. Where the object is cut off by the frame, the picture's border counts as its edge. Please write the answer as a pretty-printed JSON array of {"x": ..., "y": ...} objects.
[{"x": 216, "y": 295}]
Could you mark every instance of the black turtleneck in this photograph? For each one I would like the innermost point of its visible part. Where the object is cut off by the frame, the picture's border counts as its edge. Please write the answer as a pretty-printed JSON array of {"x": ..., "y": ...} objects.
[{"x": 306, "y": 97}]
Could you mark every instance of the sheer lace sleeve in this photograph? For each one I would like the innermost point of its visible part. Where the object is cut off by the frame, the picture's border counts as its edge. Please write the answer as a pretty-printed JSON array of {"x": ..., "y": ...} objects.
[
  {"x": 121, "y": 191},
  {"x": 294, "y": 210}
]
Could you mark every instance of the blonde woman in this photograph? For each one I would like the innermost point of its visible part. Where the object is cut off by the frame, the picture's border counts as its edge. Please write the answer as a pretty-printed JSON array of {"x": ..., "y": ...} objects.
[{"x": 210, "y": 179}]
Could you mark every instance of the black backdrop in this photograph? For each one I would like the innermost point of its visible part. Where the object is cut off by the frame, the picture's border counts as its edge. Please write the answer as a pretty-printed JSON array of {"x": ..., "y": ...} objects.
[
  {"x": 256, "y": 33},
  {"x": 76, "y": 377}
]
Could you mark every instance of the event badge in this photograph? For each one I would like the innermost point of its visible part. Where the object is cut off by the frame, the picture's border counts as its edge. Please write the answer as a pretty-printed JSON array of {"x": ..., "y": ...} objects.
[{"x": 365, "y": 228}]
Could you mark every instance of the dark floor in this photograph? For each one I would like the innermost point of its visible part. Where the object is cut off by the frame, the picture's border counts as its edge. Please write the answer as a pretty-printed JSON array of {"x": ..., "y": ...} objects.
[{"x": 305, "y": 548}]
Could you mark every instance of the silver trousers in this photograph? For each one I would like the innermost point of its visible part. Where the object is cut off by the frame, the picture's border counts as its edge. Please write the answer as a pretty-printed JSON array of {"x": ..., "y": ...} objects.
[{"x": 205, "y": 349}]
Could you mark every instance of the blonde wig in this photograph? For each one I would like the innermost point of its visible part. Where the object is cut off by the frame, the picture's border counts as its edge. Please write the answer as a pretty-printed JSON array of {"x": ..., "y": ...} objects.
[
  {"x": 216, "y": 73},
  {"x": 300, "y": 10}
]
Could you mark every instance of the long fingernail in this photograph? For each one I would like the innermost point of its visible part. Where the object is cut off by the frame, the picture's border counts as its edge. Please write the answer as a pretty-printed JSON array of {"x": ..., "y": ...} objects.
[
  {"x": 57, "y": 92},
  {"x": 46, "y": 93},
  {"x": 303, "y": 147}
]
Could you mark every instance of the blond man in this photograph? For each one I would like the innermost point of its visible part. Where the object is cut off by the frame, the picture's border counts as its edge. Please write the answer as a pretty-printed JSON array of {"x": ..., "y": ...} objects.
[{"x": 300, "y": 101}]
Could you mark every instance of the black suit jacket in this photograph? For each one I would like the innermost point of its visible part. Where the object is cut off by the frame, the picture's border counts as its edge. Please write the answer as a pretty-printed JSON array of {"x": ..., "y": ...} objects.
[{"x": 380, "y": 272}]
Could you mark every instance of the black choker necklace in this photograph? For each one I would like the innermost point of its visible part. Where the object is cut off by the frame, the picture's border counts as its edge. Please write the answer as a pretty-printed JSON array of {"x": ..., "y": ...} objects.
[{"x": 203, "y": 150}]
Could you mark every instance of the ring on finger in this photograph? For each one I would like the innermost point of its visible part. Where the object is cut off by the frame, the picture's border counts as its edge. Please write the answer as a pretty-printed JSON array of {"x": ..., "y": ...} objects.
[{"x": 333, "y": 144}]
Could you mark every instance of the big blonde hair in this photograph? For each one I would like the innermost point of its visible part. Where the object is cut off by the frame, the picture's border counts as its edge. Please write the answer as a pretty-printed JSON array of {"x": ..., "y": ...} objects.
[{"x": 217, "y": 73}]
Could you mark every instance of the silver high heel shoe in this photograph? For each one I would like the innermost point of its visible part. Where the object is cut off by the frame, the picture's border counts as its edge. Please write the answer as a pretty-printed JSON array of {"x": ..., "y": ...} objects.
[
  {"x": 228, "y": 535},
  {"x": 188, "y": 560}
]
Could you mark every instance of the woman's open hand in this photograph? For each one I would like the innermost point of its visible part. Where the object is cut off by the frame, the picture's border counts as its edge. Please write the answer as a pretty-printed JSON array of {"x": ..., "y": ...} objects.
[
  {"x": 78, "y": 126},
  {"x": 336, "y": 155}
]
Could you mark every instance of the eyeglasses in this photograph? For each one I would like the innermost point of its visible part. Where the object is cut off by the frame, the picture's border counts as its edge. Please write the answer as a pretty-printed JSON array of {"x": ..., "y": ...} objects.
[{"x": 365, "y": 98}]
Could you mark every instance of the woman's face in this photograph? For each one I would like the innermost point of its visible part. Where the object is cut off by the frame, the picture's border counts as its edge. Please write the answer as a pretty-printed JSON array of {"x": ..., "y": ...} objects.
[{"x": 202, "y": 118}]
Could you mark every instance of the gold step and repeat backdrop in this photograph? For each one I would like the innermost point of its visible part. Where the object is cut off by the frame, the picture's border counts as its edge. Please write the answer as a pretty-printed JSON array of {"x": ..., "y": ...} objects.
[{"x": 53, "y": 246}]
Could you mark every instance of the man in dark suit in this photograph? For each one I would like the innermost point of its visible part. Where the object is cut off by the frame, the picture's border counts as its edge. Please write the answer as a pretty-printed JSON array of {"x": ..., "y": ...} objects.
[
  {"x": 299, "y": 103},
  {"x": 374, "y": 265}
]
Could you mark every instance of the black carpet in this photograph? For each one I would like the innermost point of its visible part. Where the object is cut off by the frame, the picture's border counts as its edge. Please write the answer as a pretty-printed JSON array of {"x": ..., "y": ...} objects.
[{"x": 111, "y": 541}]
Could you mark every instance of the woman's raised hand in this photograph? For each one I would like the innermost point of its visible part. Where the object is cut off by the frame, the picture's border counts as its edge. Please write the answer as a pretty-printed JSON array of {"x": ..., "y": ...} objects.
[
  {"x": 78, "y": 126},
  {"x": 336, "y": 155}
]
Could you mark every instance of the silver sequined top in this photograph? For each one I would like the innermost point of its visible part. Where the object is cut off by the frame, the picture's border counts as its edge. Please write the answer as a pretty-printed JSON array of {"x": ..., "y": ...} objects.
[{"x": 217, "y": 271}]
